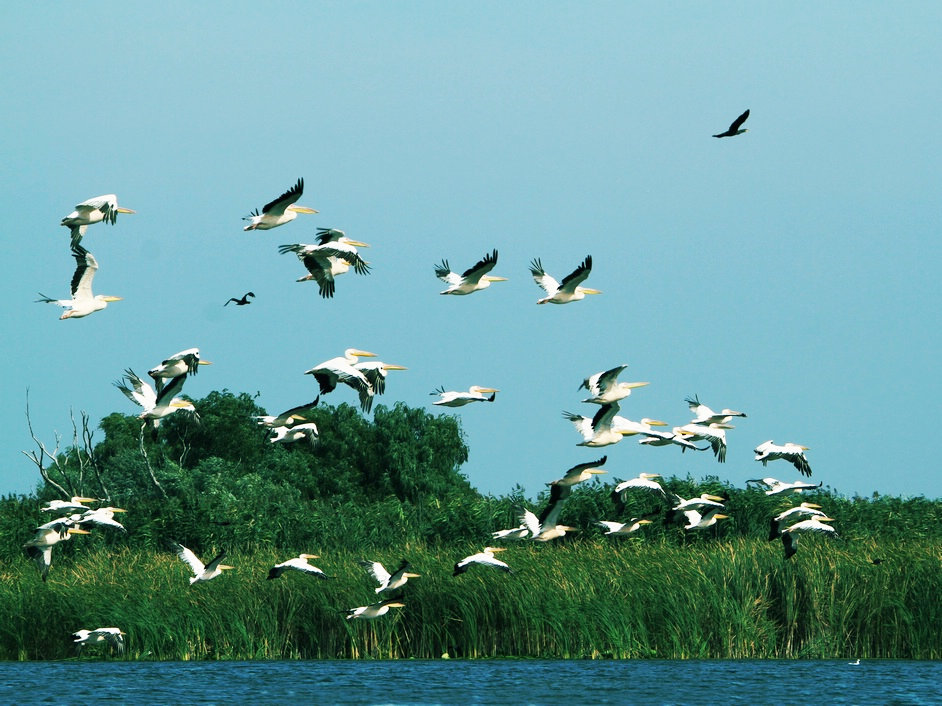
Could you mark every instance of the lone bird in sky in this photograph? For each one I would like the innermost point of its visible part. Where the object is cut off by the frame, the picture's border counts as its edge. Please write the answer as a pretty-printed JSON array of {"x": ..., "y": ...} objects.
[
  {"x": 735, "y": 127},
  {"x": 243, "y": 301}
]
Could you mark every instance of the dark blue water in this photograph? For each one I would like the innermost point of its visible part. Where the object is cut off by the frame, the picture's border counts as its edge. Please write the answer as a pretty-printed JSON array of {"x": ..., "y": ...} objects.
[{"x": 694, "y": 682}]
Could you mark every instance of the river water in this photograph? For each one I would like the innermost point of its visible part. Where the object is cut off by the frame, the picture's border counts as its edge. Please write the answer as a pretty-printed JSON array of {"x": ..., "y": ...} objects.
[{"x": 646, "y": 682}]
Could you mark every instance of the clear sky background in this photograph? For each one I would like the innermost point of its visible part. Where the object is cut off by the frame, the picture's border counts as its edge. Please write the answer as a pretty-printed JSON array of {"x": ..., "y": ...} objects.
[{"x": 790, "y": 272}]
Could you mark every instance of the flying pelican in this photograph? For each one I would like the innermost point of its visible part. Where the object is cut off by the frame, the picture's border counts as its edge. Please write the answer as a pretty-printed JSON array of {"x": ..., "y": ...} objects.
[
  {"x": 280, "y": 211},
  {"x": 472, "y": 279},
  {"x": 815, "y": 525},
  {"x": 715, "y": 434},
  {"x": 101, "y": 208},
  {"x": 735, "y": 127},
  {"x": 567, "y": 291},
  {"x": 580, "y": 473},
  {"x": 675, "y": 437},
  {"x": 288, "y": 435},
  {"x": 201, "y": 572},
  {"x": 113, "y": 636},
  {"x": 475, "y": 393},
  {"x": 706, "y": 416},
  {"x": 187, "y": 361},
  {"x": 288, "y": 418},
  {"x": 698, "y": 521},
  {"x": 521, "y": 532},
  {"x": 327, "y": 260},
  {"x": 375, "y": 610},
  {"x": 83, "y": 302},
  {"x": 777, "y": 522},
  {"x": 340, "y": 369},
  {"x": 389, "y": 582},
  {"x": 103, "y": 516},
  {"x": 643, "y": 481},
  {"x": 623, "y": 528},
  {"x": 243, "y": 301},
  {"x": 483, "y": 558},
  {"x": 375, "y": 371},
  {"x": 776, "y": 486},
  {"x": 298, "y": 563},
  {"x": 546, "y": 527},
  {"x": 39, "y": 548},
  {"x": 155, "y": 405},
  {"x": 604, "y": 388},
  {"x": 75, "y": 503},
  {"x": 599, "y": 430},
  {"x": 705, "y": 500},
  {"x": 627, "y": 427},
  {"x": 793, "y": 453}
]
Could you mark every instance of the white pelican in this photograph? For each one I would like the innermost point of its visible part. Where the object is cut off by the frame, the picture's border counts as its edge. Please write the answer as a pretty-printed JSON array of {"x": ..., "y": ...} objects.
[
  {"x": 675, "y": 437},
  {"x": 605, "y": 388},
  {"x": 777, "y": 522},
  {"x": 546, "y": 527},
  {"x": 705, "y": 500},
  {"x": 389, "y": 581},
  {"x": 627, "y": 427},
  {"x": 483, "y": 558},
  {"x": 622, "y": 528},
  {"x": 698, "y": 521},
  {"x": 113, "y": 636},
  {"x": 103, "y": 516},
  {"x": 375, "y": 610},
  {"x": 515, "y": 533},
  {"x": 472, "y": 279},
  {"x": 715, "y": 434},
  {"x": 706, "y": 416},
  {"x": 814, "y": 525},
  {"x": 776, "y": 486},
  {"x": 340, "y": 369},
  {"x": 155, "y": 406},
  {"x": 327, "y": 260},
  {"x": 644, "y": 481},
  {"x": 39, "y": 548},
  {"x": 75, "y": 503},
  {"x": 187, "y": 361},
  {"x": 101, "y": 208},
  {"x": 735, "y": 127},
  {"x": 475, "y": 393},
  {"x": 288, "y": 435},
  {"x": 288, "y": 418},
  {"x": 243, "y": 301},
  {"x": 569, "y": 290},
  {"x": 375, "y": 371},
  {"x": 83, "y": 302},
  {"x": 598, "y": 431},
  {"x": 280, "y": 211},
  {"x": 201, "y": 572},
  {"x": 793, "y": 453},
  {"x": 298, "y": 563},
  {"x": 580, "y": 473}
]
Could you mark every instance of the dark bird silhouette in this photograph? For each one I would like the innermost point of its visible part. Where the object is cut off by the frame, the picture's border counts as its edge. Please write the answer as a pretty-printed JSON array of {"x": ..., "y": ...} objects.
[
  {"x": 735, "y": 127},
  {"x": 241, "y": 302}
]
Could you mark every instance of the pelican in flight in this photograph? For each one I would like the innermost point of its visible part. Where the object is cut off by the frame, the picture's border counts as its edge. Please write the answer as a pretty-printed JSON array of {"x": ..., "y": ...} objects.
[
  {"x": 39, "y": 548},
  {"x": 475, "y": 393},
  {"x": 599, "y": 430},
  {"x": 156, "y": 405},
  {"x": 567, "y": 291},
  {"x": 580, "y": 473},
  {"x": 735, "y": 127},
  {"x": 280, "y": 211},
  {"x": 644, "y": 481},
  {"x": 288, "y": 435},
  {"x": 814, "y": 525},
  {"x": 75, "y": 503},
  {"x": 83, "y": 302},
  {"x": 697, "y": 520},
  {"x": 776, "y": 486},
  {"x": 243, "y": 301},
  {"x": 482, "y": 558},
  {"x": 793, "y": 453},
  {"x": 102, "y": 517},
  {"x": 705, "y": 500},
  {"x": 187, "y": 361},
  {"x": 714, "y": 434},
  {"x": 389, "y": 581},
  {"x": 289, "y": 418},
  {"x": 472, "y": 279},
  {"x": 777, "y": 522},
  {"x": 375, "y": 610},
  {"x": 298, "y": 563},
  {"x": 706, "y": 416},
  {"x": 201, "y": 572},
  {"x": 101, "y": 208},
  {"x": 340, "y": 369},
  {"x": 113, "y": 636},
  {"x": 515, "y": 533},
  {"x": 333, "y": 255},
  {"x": 546, "y": 527},
  {"x": 623, "y": 528},
  {"x": 604, "y": 387},
  {"x": 375, "y": 372},
  {"x": 669, "y": 438}
]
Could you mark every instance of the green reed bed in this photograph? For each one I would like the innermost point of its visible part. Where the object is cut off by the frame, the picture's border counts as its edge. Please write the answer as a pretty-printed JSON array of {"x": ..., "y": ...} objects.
[{"x": 628, "y": 598}]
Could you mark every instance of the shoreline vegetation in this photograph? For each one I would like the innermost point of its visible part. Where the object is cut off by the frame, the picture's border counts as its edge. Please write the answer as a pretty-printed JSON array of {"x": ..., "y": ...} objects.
[{"x": 389, "y": 489}]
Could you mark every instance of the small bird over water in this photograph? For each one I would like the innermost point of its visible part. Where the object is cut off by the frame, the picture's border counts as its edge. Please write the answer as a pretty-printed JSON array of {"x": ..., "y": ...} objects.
[{"x": 243, "y": 301}]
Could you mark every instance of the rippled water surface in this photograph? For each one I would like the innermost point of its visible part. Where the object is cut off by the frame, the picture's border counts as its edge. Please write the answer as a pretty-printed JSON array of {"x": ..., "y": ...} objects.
[{"x": 481, "y": 681}]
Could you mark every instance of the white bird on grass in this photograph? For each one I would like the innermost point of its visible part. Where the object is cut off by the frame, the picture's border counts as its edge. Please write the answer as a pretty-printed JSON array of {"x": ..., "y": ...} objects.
[
  {"x": 280, "y": 211},
  {"x": 624, "y": 528},
  {"x": 200, "y": 571},
  {"x": 374, "y": 610},
  {"x": 389, "y": 581},
  {"x": 83, "y": 302},
  {"x": 473, "y": 279},
  {"x": 299, "y": 563},
  {"x": 99, "y": 209},
  {"x": 569, "y": 290},
  {"x": 482, "y": 558}
]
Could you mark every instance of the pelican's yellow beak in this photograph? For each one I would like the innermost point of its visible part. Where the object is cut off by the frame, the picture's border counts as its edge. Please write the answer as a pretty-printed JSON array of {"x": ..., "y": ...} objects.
[
  {"x": 714, "y": 498},
  {"x": 112, "y": 299},
  {"x": 645, "y": 522},
  {"x": 586, "y": 290},
  {"x": 223, "y": 566},
  {"x": 721, "y": 517},
  {"x": 355, "y": 243},
  {"x": 633, "y": 385},
  {"x": 413, "y": 576},
  {"x": 204, "y": 362},
  {"x": 121, "y": 209},
  {"x": 394, "y": 367},
  {"x": 180, "y": 404},
  {"x": 491, "y": 278},
  {"x": 656, "y": 423},
  {"x": 310, "y": 556},
  {"x": 363, "y": 354},
  {"x": 118, "y": 509},
  {"x": 76, "y": 530},
  {"x": 487, "y": 389},
  {"x": 595, "y": 471},
  {"x": 84, "y": 500},
  {"x": 301, "y": 209}
]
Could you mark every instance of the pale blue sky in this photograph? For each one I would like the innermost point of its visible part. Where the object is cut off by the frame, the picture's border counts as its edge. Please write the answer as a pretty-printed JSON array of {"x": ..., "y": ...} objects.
[{"x": 790, "y": 272}]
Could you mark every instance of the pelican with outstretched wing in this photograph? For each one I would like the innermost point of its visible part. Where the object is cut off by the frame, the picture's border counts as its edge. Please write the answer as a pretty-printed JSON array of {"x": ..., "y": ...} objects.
[
  {"x": 471, "y": 280},
  {"x": 83, "y": 302},
  {"x": 569, "y": 290},
  {"x": 280, "y": 211},
  {"x": 97, "y": 210}
]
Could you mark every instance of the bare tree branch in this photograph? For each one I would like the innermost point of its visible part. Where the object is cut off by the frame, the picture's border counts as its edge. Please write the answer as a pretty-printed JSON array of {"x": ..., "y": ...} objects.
[{"x": 40, "y": 458}]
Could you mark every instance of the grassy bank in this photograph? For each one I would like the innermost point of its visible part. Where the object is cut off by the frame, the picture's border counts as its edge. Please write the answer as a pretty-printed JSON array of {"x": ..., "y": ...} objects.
[{"x": 733, "y": 598}]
